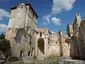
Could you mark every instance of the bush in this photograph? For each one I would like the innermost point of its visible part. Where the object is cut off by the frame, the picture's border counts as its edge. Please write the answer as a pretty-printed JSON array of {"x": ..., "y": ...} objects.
[
  {"x": 5, "y": 47},
  {"x": 11, "y": 59}
]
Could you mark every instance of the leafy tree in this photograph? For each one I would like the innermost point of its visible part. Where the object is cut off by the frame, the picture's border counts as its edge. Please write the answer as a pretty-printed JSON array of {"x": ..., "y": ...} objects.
[
  {"x": 5, "y": 45},
  {"x": 2, "y": 36}
]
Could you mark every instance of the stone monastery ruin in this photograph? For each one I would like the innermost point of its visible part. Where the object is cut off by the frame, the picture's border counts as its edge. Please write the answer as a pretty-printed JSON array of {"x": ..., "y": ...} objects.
[{"x": 27, "y": 39}]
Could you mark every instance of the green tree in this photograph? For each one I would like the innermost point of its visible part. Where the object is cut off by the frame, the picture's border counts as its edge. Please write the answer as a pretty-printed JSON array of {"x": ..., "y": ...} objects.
[
  {"x": 2, "y": 36},
  {"x": 5, "y": 45}
]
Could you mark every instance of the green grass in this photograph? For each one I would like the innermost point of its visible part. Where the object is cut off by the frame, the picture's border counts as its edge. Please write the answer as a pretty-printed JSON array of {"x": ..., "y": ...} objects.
[
  {"x": 54, "y": 62},
  {"x": 16, "y": 62},
  {"x": 19, "y": 62},
  {"x": 50, "y": 60}
]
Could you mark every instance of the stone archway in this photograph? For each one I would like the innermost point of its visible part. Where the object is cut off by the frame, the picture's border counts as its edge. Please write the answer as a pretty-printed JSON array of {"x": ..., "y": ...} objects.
[
  {"x": 41, "y": 45},
  {"x": 21, "y": 53}
]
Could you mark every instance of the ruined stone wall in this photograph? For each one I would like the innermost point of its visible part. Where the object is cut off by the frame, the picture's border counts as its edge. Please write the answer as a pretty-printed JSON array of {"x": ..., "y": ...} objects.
[
  {"x": 59, "y": 45},
  {"x": 54, "y": 46},
  {"x": 72, "y": 48},
  {"x": 23, "y": 20},
  {"x": 75, "y": 38},
  {"x": 28, "y": 40},
  {"x": 78, "y": 37},
  {"x": 41, "y": 42},
  {"x": 20, "y": 43},
  {"x": 51, "y": 48},
  {"x": 70, "y": 30},
  {"x": 82, "y": 38},
  {"x": 54, "y": 49},
  {"x": 65, "y": 46}
]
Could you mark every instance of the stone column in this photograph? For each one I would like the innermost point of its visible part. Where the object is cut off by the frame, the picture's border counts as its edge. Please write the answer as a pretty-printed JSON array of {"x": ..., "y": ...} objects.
[
  {"x": 46, "y": 47},
  {"x": 36, "y": 47}
]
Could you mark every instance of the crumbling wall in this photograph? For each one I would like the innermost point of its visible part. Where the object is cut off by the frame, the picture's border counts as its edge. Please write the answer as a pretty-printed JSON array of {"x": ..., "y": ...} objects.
[{"x": 82, "y": 38}]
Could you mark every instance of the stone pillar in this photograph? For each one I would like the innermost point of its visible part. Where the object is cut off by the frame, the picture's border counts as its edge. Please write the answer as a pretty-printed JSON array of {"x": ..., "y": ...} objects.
[
  {"x": 46, "y": 47},
  {"x": 36, "y": 47}
]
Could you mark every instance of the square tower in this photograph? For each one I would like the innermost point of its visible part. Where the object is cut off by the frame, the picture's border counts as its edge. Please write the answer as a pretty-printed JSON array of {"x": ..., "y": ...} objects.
[{"x": 22, "y": 16}]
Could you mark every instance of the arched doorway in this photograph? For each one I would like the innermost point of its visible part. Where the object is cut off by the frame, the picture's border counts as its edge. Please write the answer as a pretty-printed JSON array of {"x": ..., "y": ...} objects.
[
  {"x": 41, "y": 44},
  {"x": 21, "y": 53}
]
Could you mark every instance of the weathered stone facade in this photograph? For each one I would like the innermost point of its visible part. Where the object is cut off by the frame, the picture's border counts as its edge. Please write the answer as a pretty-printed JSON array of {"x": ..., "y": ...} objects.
[
  {"x": 70, "y": 30},
  {"x": 28, "y": 40},
  {"x": 23, "y": 20},
  {"x": 48, "y": 43},
  {"x": 79, "y": 37}
]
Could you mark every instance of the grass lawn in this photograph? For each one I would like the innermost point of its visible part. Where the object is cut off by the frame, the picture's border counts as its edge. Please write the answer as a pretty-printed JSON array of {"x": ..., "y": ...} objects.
[
  {"x": 46, "y": 61},
  {"x": 16, "y": 62}
]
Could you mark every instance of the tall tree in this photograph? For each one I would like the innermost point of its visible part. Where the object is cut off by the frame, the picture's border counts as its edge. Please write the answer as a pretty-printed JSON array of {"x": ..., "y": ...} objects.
[
  {"x": 5, "y": 45},
  {"x": 2, "y": 36}
]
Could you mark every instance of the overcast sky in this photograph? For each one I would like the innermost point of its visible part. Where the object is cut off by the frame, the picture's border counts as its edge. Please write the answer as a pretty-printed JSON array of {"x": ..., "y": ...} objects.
[{"x": 53, "y": 14}]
